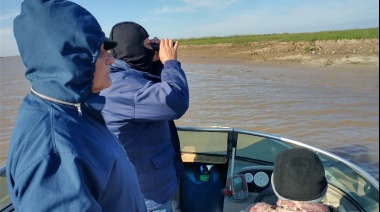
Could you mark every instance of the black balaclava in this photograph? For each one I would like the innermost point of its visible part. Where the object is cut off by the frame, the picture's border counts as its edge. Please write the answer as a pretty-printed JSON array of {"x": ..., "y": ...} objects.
[{"x": 130, "y": 37}]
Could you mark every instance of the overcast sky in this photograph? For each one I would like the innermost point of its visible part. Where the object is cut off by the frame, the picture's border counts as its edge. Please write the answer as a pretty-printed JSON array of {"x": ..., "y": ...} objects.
[{"x": 200, "y": 18}]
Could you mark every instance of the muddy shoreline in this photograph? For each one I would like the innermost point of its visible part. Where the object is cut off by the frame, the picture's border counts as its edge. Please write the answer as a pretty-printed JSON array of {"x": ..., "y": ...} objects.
[{"x": 319, "y": 53}]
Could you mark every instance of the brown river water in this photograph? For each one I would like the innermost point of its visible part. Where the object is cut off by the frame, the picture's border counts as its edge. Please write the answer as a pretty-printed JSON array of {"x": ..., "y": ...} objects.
[{"x": 334, "y": 108}]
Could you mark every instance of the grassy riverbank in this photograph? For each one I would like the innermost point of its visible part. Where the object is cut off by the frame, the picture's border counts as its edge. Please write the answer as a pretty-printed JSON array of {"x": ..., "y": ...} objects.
[{"x": 357, "y": 34}]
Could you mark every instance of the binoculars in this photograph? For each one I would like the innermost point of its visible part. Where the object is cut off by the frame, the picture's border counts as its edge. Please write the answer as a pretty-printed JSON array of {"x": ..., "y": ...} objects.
[{"x": 156, "y": 46}]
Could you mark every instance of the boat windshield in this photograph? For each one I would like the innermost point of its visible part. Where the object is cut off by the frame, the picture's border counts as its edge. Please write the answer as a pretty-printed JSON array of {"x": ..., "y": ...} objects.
[{"x": 262, "y": 149}]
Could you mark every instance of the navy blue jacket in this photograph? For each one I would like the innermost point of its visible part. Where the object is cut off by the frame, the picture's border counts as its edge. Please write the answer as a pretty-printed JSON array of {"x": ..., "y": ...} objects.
[
  {"x": 62, "y": 157},
  {"x": 139, "y": 110}
]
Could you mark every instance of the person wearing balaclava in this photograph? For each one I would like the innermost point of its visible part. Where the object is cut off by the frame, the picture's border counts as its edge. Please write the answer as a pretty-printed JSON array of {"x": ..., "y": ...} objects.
[
  {"x": 298, "y": 180},
  {"x": 62, "y": 157},
  {"x": 149, "y": 90}
]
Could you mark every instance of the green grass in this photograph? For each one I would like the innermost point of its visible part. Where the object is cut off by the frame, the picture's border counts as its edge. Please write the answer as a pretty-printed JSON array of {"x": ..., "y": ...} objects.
[{"x": 369, "y": 33}]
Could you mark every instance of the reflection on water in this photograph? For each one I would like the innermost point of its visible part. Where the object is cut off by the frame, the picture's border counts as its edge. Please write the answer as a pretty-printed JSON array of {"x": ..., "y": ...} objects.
[{"x": 339, "y": 114}]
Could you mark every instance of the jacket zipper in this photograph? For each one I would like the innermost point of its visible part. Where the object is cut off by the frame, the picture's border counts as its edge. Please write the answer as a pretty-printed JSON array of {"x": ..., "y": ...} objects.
[{"x": 77, "y": 105}]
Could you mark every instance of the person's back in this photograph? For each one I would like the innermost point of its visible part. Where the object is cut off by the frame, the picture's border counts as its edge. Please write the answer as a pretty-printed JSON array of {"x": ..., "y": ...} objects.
[
  {"x": 299, "y": 182},
  {"x": 140, "y": 108},
  {"x": 62, "y": 157}
]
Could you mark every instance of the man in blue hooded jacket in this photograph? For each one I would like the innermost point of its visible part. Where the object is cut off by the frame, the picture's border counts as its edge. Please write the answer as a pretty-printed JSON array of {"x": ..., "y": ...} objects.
[
  {"x": 62, "y": 157},
  {"x": 144, "y": 99}
]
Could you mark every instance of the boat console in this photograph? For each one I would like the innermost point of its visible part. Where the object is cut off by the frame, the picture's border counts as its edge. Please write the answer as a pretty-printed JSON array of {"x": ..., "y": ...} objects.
[{"x": 258, "y": 179}]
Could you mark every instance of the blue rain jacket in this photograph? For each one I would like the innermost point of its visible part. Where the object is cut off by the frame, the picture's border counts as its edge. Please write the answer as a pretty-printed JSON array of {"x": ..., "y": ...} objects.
[
  {"x": 63, "y": 158},
  {"x": 139, "y": 110}
]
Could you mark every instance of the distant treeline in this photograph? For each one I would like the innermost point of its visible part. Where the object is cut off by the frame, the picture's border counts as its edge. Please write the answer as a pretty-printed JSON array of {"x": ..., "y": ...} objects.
[{"x": 368, "y": 33}]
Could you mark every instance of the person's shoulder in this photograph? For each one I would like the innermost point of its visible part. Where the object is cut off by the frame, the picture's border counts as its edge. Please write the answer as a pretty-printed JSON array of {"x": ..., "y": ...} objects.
[{"x": 261, "y": 207}]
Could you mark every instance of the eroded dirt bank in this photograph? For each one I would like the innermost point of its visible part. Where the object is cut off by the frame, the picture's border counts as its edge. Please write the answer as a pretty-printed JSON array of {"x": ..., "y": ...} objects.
[{"x": 325, "y": 53}]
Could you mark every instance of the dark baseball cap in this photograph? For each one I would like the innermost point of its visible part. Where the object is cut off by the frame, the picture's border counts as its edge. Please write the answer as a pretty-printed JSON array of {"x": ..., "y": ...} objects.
[{"x": 109, "y": 43}]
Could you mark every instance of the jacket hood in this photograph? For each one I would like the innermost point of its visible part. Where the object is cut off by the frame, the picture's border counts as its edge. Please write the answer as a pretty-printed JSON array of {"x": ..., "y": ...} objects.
[
  {"x": 130, "y": 37},
  {"x": 59, "y": 43}
]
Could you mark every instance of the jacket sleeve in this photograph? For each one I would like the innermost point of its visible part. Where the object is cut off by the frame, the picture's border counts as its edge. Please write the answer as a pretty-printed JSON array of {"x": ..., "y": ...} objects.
[
  {"x": 167, "y": 100},
  {"x": 52, "y": 184}
]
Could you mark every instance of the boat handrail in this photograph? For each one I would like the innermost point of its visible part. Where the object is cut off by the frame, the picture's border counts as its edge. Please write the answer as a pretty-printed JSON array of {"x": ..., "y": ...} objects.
[
  {"x": 359, "y": 170},
  {"x": 2, "y": 170}
]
